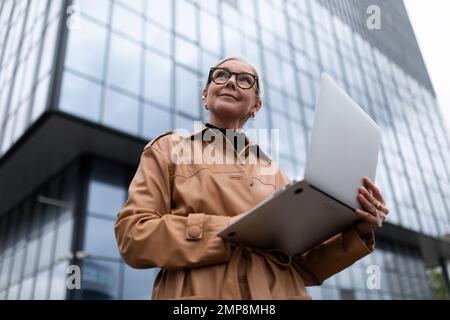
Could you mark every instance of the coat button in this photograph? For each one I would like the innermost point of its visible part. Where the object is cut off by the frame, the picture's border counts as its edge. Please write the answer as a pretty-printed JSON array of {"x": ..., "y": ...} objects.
[{"x": 194, "y": 232}]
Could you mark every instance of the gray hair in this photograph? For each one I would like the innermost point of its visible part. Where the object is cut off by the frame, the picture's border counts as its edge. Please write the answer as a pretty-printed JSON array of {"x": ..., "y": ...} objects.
[{"x": 259, "y": 82}]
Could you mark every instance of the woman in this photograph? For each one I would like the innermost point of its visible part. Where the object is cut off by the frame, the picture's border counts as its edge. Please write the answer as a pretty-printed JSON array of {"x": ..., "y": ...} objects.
[{"x": 175, "y": 210}]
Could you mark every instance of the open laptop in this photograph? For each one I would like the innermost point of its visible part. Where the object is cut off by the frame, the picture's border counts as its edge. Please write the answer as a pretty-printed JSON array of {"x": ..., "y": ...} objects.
[{"x": 343, "y": 148}]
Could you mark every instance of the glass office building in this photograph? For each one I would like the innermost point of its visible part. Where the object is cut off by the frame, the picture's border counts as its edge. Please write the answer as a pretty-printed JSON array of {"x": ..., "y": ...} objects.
[{"x": 84, "y": 85}]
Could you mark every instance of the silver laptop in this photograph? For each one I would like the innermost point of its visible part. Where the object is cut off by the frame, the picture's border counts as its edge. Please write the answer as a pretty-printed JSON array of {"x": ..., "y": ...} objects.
[{"x": 343, "y": 148}]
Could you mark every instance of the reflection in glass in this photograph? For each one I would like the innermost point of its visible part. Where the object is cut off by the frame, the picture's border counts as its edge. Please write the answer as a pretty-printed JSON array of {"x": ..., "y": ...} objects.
[
  {"x": 58, "y": 282},
  {"x": 86, "y": 48},
  {"x": 127, "y": 22},
  {"x": 186, "y": 18},
  {"x": 187, "y": 92},
  {"x": 104, "y": 198},
  {"x": 100, "y": 279},
  {"x": 124, "y": 64},
  {"x": 100, "y": 239},
  {"x": 138, "y": 284},
  {"x": 158, "y": 76},
  {"x": 42, "y": 285},
  {"x": 80, "y": 97},
  {"x": 121, "y": 112},
  {"x": 156, "y": 122}
]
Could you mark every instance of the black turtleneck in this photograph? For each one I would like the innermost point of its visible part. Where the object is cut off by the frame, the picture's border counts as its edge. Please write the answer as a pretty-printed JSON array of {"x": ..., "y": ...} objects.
[{"x": 236, "y": 137}]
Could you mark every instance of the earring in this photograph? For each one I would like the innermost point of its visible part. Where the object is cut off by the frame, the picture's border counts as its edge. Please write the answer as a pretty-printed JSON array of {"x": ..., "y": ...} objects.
[
  {"x": 253, "y": 115},
  {"x": 206, "y": 107}
]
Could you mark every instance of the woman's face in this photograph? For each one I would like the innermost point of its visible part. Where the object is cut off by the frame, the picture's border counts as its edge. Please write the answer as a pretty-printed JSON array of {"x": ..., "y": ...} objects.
[{"x": 229, "y": 104}]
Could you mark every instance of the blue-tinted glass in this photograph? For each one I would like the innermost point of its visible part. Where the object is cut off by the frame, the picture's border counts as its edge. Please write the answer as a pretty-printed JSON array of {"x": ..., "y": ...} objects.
[
  {"x": 26, "y": 289},
  {"x": 186, "y": 18},
  {"x": 19, "y": 257},
  {"x": 186, "y": 53},
  {"x": 234, "y": 44},
  {"x": 49, "y": 48},
  {"x": 187, "y": 92},
  {"x": 156, "y": 122},
  {"x": 124, "y": 64},
  {"x": 138, "y": 284},
  {"x": 184, "y": 123},
  {"x": 31, "y": 254},
  {"x": 98, "y": 9},
  {"x": 46, "y": 250},
  {"x": 158, "y": 38},
  {"x": 86, "y": 48},
  {"x": 280, "y": 123},
  {"x": 5, "y": 272},
  {"x": 121, "y": 112},
  {"x": 42, "y": 285},
  {"x": 100, "y": 279},
  {"x": 58, "y": 282},
  {"x": 80, "y": 97},
  {"x": 136, "y": 5},
  {"x": 100, "y": 239},
  {"x": 127, "y": 22},
  {"x": 210, "y": 36},
  {"x": 158, "y": 78},
  {"x": 40, "y": 98},
  {"x": 160, "y": 11},
  {"x": 64, "y": 239},
  {"x": 105, "y": 198}
]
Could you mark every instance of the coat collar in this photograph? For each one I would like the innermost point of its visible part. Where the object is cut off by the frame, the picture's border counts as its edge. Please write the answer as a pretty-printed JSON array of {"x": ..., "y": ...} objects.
[{"x": 251, "y": 145}]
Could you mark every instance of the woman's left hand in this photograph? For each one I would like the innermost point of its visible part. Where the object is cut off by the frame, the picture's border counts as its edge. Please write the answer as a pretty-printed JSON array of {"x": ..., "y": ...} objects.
[{"x": 370, "y": 198}]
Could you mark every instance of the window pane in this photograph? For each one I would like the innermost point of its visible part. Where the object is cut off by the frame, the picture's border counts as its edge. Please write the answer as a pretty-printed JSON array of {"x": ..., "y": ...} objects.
[
  {"x": 86, "y": 48},
  {"x": 158, "y": 74},
  {"x": 158, "y": 38},
  {"x": 121, "y": 112},
  {"x": 187, "y": 92},
  {"x": 186, "y": 53},
  {"x": 105, "y": 198},
  {"x": 58, "y": 282},
  {"x": 138, "y": 284},
  {"x": 64, "y": 240},
  {"x": 210, "y": 32},
  {"x": 46, "y": 251},
  {"x": 186, "y": 19},
  {"x": 127, "y": 22},
  {"x": 160, "y": 11},
  {"x": 124, "y": 64},
  {"x": 41, "y": 290},
  {"x": 156, "y": 122},
  {"x": 100, "y": 238},
  {"x": 30, "y": 262},
  {"x": 98, "y": 9},
  {"x": 100, "y": 279},
  {"x": 80, "y": 97},
  {"x": 26, "y": 290}
]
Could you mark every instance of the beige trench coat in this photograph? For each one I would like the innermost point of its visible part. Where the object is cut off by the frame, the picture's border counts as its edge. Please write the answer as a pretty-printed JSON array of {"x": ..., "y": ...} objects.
[{"x": 175, "y": 210}]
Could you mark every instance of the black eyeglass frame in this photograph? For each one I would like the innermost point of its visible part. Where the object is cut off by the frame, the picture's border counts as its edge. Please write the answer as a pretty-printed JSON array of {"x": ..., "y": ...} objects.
[{"x": 236, "y": 74}]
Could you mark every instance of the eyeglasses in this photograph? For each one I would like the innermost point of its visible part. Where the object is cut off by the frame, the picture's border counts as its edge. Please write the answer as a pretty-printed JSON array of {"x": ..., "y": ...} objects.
[{"x": 244, "y": 80}]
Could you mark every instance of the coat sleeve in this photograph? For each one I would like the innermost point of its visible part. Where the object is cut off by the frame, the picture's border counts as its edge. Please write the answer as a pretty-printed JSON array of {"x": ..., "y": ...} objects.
[
  {"x": 149, "y": 236},
  {"x": 333, "y": 256}
]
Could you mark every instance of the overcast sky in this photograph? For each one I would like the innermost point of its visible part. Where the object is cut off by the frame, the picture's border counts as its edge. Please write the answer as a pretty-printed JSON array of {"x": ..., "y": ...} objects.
[{"x": 431, "y": 22}]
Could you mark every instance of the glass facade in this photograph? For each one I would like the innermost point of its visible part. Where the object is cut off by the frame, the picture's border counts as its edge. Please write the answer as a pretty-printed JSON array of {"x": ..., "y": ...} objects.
[
  {"x": 28, "y": 38},
  {"x": 138, "y": 67}
]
